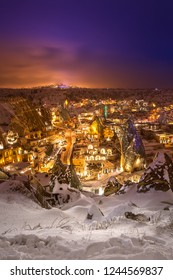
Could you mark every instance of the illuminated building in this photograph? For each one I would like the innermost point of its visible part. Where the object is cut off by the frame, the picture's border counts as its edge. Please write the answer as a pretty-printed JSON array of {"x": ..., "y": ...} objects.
[
  {"x": 12, "y": 137},
  {"x": 165, "y": 138},
  {"x": 15, "y": 154}
]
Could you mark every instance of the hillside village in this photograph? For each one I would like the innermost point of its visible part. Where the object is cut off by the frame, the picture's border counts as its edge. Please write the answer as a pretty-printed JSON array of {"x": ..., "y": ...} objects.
[
  {"x": 85, "y": 178},
  {"x": 98, "y": 138}
]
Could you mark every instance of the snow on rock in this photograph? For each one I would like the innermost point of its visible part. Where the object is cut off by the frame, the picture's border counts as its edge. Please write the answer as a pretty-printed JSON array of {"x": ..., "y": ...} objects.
[
  {"x": 132, "y": 147},
  {"x": 14, "y": 190},
  {"x": 118, "y": 211},
  {"x": 94, "y": 214},
  {"x": 137, "y": 217},
  {"x": 112, "y": 186},
  {"x": 64, "y": 174},
  {"x": 79, "y": 208},
  {"x": 158, "y": 175},
  {"x": 64, "y": 193},
  {"x": 28, "y": 231},
  {"x": 126, "y": 187}
]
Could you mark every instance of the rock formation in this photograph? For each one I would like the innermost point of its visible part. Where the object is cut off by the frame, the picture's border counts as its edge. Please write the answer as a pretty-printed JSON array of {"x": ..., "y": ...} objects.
[
  {"x": 158, "y": 175},
  {"x": 65, "y": 174},
  {"x": 96, "y": 127},
  {"x": 137, "y": 217},
  {"x": 112, "y": 186},
  {"x": 132, "y": 149}
]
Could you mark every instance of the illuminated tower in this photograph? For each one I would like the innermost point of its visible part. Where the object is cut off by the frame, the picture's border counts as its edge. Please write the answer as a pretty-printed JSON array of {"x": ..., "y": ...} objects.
[{"x": 105, "y": 111}]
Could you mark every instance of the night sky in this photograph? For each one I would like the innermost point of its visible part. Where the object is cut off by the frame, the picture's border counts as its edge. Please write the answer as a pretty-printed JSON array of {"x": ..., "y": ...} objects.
[{"x": 91, "y": 43}]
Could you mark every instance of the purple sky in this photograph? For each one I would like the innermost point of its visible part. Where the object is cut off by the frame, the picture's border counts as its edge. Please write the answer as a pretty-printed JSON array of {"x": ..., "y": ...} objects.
[{"x": 98, "y": 43}]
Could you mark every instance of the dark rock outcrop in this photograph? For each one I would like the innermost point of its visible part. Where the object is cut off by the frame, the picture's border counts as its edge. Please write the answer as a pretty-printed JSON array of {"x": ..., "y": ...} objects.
[
  {"x": 65, "y": 174},
  {"x": 126, "y": 186},
  {"x": 112, "y": 186},
  {"x": 158, "y": 175},
  {"x": 137, "y": 217}
]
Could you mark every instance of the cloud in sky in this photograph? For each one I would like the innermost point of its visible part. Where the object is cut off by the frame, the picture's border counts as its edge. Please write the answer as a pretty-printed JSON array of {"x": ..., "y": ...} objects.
[
  {"x": 92, "y": 43},
  {"x": 50, "y": 64},
  {"x": 29, "y": 65}
]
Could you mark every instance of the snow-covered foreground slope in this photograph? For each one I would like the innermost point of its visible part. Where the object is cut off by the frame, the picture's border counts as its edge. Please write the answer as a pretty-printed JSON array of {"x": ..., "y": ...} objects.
[{"x": 28, "y": 231}]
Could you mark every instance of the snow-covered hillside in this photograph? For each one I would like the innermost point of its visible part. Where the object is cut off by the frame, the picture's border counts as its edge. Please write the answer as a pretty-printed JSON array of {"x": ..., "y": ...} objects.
[{"x": 88, "y": 228}]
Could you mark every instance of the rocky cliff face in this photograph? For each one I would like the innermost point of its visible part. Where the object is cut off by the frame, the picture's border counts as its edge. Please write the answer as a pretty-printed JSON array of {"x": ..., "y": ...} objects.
[
  {"x": 64, "y": 174},
  {"x": 96, "y": 126},
  {"x": 132, "y": 149},
  {"x": 19, "y": 115},
  {"x": 64, "y": 183},
  {"x": 158, "y": 175}
]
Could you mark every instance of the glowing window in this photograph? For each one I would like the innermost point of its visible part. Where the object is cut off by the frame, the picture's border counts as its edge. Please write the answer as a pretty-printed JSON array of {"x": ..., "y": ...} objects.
[
  {"x": 90, "y": 147},
  {"x": 103, "y": 151},
  {"x": 97, "y": 157}
]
